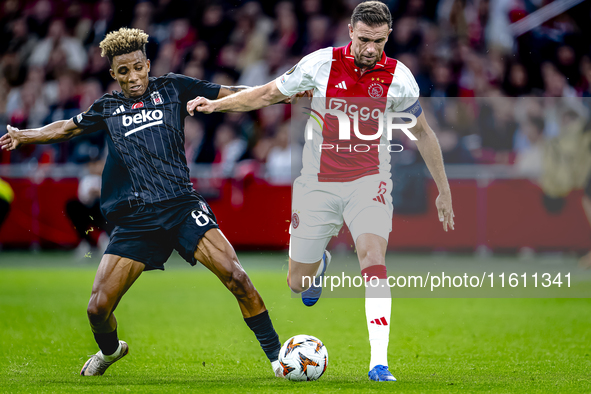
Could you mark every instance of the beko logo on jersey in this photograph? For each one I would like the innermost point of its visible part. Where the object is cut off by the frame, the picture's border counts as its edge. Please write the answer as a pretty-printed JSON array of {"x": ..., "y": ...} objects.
[
  {"x": 144, "y": 116},
  {"x": 154, "y": 117}
]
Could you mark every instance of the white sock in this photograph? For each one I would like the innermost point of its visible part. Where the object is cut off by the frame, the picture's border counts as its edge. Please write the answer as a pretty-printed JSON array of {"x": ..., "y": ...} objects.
[
  {"x": 113, "y": 356},
  {"x": 378, "y": 307},
  {"x": 320, "y": 268}
]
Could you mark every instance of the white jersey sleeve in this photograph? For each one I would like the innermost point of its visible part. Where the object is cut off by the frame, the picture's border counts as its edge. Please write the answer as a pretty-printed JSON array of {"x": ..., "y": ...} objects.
[
  {"x": 404, "y": 91},
  {"x": 304, "y": 75}
]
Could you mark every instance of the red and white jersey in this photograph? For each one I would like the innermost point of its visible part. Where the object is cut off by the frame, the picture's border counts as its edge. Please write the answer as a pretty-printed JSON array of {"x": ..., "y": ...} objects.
[{"x": 338, "y": 84}]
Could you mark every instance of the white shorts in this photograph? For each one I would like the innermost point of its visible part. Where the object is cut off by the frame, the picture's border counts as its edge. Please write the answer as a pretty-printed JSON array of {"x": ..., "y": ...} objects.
[{"x": 320, "y": 208}]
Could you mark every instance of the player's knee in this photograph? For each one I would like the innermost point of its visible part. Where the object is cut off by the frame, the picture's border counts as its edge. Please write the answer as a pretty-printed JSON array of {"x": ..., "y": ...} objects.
[
  {"x": 97, "y": 312},
  {"x": 298, "y": 284},
  {"x": 239, "y": 283},
  {"x": 370, "y": 257}
]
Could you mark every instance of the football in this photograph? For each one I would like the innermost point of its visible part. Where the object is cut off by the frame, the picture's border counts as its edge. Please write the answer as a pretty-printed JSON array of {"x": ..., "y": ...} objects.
[{"x": 303, "y": 357}]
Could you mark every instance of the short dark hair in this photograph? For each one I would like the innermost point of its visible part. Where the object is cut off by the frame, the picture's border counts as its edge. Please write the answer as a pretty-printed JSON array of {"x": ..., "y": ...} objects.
[{"x": 372, "y": 13}]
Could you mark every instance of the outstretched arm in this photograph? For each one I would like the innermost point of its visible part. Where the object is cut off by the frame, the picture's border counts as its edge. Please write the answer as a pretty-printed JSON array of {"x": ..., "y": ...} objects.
[
  {"x": 243, "y": 101},
  {"x": 62, "y": 130},
  {"x": 431, "y": 151}
]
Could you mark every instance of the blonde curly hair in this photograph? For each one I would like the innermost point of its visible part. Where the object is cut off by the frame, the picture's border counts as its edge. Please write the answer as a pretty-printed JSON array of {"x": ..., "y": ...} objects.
[{"x": 123, "y": 41}]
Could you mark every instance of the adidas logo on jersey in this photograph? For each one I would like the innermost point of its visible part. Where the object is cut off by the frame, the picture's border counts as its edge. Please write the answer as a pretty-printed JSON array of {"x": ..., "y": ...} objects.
[
  {"x": 119, "y": 110},
  {"x": 380, "y": 198},
  {"x": 341, "y": 85}
]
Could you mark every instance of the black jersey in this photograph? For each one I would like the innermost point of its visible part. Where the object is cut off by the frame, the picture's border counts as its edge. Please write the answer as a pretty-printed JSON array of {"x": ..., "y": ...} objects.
[{"x": 146, "y": 162}]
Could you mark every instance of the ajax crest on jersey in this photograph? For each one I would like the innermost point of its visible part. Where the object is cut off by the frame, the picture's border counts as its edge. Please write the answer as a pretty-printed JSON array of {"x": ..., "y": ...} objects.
[
  {"x": 156, "y": 98},
  {"x": 375, "y": 90},
  {"x": 295, "y": 220},
  {"x": 303, "y": 357}
]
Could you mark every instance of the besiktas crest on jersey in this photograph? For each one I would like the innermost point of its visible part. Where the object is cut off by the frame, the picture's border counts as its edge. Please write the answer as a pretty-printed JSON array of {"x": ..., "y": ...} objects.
[{"x": 156, "y": 98}]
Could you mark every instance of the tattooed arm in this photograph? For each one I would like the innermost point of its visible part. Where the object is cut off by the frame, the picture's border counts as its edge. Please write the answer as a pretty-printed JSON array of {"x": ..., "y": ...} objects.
[{"x": 228, "y": 90}]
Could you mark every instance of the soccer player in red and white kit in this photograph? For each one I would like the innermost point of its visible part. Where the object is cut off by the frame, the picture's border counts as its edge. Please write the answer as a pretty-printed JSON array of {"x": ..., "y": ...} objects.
[{"x": 347, "y": 184}]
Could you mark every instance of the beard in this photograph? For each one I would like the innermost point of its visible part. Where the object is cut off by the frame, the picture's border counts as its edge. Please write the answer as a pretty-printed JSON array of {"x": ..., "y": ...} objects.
[{"x": 362, "y": 62}]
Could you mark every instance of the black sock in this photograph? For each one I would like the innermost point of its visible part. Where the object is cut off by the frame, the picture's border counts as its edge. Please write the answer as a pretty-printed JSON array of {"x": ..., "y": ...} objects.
[
  {"x": 108, "y": 343},
  {"x": 263, "y": 329}
]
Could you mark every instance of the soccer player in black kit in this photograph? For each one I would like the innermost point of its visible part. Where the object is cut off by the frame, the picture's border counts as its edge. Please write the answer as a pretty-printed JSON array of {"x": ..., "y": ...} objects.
[{"x": 147, "y": 193}]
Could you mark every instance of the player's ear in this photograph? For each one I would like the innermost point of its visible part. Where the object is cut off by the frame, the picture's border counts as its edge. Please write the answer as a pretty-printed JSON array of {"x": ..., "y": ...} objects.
[
  {"x": 112, "y": 73},
  {"x": 148, "y": 64},
  {"x": 350, "y": 31},
  {"x": 389, "y": 32}
]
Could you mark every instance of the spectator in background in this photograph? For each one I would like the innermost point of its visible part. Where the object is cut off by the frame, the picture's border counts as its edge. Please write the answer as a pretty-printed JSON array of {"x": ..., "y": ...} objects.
[
  {"x": 175, "y": 48},
  {"x": 279, "y": 158},
  {"x": 199, "y": 55},
  {"x": 497, "y": 127},
  {"x": 142, "y": 15},
  {"x": 516, "y": 82},
  {"x": 76, "y": 23},
  {"x": 453, "y": 149},
  {"x": 566, "y": 62},
  {"x": 406, "y": 37},
  {"x": 529, "y": 162},
  {"x": 85, "y": 212},
  {"x": 229, "y": 148},
  {"x": 270, "y": 118},
  {"x": 442, "y": 81},
  {"x": 585, "y": 84},
  {"x": 21, "y": 42},
  {"x": 58, "y": 50},
  {"x": 25, "y": 107},
  {"x": 251, "y": 34},
  {"x": 318, "y": 34},
  {"x": 214, "y": 28},
  {"x": 85, "y": 146},
  {"x": 103, "y": 23},
  {"x": 40, "y": 18},
  {"x": 555, "y": 84},
  {"x": 193, "y": 138},
  {"x": 265, "y": 70},
  {"x": 286, "y": 25},
  {"x": 19, "y": 103},
  {"x": 97, "y": 68},
  {"x": 66, "y": 106}
]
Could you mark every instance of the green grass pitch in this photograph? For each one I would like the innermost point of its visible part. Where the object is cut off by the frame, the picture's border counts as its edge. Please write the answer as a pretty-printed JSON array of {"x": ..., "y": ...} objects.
[{"x": 186, "y": 334}]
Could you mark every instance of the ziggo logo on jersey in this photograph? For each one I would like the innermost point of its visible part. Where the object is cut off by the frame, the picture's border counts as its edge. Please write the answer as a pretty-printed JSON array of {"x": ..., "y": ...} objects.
[
  {"x": 345, "y": 112},
  {"x": 142, "y": 117}
]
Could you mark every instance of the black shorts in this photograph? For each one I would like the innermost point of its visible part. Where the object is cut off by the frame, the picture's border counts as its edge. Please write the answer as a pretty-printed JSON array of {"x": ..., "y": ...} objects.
[{"x": 149, "y": 233}]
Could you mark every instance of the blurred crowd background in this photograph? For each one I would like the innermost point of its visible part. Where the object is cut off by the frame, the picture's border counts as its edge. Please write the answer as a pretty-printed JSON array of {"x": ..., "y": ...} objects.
[
  {"x": 51, "y": 69},
  {"x": 506, "y": 85}
]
